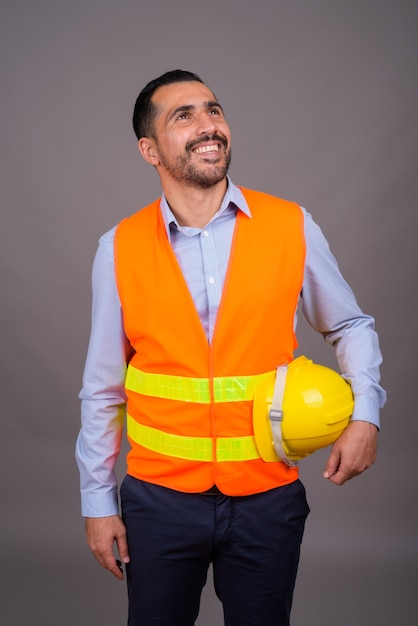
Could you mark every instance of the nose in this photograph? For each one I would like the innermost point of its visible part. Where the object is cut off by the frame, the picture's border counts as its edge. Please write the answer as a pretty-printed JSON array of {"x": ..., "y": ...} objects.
[{"x": 205, "y": 123}]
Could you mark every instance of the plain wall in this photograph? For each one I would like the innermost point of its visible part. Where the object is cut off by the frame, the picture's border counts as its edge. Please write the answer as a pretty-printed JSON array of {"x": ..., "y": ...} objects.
[{"x": 322, "y": 99}]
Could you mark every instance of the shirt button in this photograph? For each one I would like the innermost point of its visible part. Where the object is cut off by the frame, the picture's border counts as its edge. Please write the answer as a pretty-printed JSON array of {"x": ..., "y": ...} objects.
[
  {"x": 205, "y": 233},
  {"x": 211, "y": 280}
]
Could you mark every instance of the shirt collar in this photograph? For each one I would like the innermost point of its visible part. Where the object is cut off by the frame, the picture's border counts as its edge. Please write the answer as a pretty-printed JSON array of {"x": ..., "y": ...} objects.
[{"x": 233, "y": 199}]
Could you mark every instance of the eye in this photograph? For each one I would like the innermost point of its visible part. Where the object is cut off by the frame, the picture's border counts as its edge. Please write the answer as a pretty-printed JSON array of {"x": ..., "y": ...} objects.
[
  {"x": 183, "y": 116},
  {"x": 214, "y": 112}
]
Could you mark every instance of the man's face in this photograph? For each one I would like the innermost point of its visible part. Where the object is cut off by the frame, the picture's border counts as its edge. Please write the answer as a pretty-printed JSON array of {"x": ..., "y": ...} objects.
[{"x": 192, "y": 136}]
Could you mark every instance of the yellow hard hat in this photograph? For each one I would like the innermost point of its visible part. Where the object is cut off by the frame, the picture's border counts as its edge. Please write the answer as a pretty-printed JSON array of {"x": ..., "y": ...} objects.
[{"x": 299, "y": 409}]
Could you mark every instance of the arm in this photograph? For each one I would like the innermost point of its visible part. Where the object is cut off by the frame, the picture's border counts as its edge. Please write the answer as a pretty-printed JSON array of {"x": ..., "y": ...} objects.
[
  {"x": 102, "y": 414},
  {"x": 330, "y": 307}
]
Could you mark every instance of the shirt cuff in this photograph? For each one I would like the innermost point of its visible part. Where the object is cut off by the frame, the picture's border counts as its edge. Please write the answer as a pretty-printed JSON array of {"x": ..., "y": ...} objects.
[
  {"x": 99, "y": 505},
  {"x": 366, "y": 410}
]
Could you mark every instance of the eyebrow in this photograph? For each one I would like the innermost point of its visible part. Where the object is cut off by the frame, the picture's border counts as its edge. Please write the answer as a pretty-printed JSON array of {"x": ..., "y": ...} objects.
[{"x": 190, "y": 107}]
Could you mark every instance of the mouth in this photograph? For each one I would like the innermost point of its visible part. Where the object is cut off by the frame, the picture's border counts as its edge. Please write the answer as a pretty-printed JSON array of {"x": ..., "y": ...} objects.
[
  {"x": 204, "y": 149},
  {"x": 207, "y": 144}
]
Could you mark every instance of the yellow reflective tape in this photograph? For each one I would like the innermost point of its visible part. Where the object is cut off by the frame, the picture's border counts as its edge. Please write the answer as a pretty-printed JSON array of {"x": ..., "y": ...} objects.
[
  {"x": 192, "y": 448},
  {"x": 189, "y": 448},
  {"x": 236, "y": 388},
  {"x": 184, "y": 389},
  {"x": 168, "y": 386},
  {"x": 236, "y": 449}
]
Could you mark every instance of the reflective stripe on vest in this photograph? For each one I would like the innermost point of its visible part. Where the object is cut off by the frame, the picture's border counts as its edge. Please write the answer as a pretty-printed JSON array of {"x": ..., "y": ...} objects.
[
  {"x": 183, "y": 389},
  {"x": 192, "y": 448}
]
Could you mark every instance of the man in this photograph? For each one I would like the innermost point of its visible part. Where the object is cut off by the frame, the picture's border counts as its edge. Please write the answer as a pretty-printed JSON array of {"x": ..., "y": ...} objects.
[{"x": 195, "y": 291}]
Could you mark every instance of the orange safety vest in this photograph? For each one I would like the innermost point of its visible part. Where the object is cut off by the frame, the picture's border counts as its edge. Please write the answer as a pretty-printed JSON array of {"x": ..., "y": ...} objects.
[{"x": 189, "y": 409}]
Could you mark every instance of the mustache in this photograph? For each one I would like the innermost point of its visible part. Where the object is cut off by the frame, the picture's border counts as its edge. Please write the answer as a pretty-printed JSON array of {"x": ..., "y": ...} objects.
[{"x": 206, "y": 139}]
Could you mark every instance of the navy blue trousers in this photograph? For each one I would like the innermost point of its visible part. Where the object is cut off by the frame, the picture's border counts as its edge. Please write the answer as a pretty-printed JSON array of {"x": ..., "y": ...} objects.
[{"x": 253, "y": 543}]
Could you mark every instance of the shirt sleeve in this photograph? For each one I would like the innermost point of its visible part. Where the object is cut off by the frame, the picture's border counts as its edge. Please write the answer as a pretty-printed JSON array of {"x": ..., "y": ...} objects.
[
  {"x": 330, "y": 307},
  {"x": 102, "y": 395}
]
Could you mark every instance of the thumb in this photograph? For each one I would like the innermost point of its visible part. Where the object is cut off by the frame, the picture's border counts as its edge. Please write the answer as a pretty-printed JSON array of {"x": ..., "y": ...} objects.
[
  {"x": 122, "y": 544},
  {"x": 332, "y": 464}
]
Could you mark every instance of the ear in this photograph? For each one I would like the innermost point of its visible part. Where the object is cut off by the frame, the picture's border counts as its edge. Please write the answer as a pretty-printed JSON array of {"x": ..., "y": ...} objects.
[{"x": 148, "y": 150}]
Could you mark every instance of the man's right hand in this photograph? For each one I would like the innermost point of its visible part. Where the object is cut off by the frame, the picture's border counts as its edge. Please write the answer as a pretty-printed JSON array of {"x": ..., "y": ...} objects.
[{"x": 102, "y": 533}]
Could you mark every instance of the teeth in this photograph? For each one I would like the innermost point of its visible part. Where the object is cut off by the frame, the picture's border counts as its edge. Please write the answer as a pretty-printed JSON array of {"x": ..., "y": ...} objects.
[{"x": 203, "y": 149}]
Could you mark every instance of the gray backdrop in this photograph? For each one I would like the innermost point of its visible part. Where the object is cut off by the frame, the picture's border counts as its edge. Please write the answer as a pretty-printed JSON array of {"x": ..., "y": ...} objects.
[{"x": 322, "y": 99}]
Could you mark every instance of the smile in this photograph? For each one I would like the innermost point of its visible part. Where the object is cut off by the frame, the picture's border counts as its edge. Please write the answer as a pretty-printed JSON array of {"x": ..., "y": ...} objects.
[{"x": 203, "y": 149}]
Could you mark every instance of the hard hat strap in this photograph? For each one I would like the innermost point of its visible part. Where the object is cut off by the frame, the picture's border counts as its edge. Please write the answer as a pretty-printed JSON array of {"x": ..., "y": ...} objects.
[{"x": 276, "y": 415}]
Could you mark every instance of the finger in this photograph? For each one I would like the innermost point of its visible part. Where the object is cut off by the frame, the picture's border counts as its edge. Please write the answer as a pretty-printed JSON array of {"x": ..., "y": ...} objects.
[
  {"x": 114, "y": 566},
  {"x": 107, "y": 560},
  {"x": 344, "y": 472},
  {"x": 332, "y": 464},
  {"x": 123, "y": 549},
  {"x": 124, "y": 554},
  {"x": 339, "y": 478}
]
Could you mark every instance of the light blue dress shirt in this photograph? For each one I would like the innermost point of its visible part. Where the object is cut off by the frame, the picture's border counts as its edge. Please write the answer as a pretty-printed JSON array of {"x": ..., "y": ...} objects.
[{"x": 327, "y": 302}]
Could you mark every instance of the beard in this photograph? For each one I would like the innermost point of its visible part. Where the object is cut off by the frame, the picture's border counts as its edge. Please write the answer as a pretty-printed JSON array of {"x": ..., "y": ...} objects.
[{"x": 183, "y": 170}]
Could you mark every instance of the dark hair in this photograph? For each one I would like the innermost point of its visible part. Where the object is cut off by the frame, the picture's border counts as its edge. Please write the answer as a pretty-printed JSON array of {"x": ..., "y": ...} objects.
[{"x": 145, "y": 110}]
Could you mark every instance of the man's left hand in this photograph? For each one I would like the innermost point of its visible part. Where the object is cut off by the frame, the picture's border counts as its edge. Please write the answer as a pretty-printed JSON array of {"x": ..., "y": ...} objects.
[{"x": 353, "y": 452}]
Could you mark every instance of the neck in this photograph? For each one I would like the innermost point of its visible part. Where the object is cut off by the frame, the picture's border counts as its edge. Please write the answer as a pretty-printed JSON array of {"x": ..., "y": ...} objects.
[{"x": 193, "y": 206}]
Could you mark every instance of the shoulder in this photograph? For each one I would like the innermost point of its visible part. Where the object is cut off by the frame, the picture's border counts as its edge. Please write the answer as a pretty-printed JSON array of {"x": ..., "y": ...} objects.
[
  {"x": 257, "y": 199},
  {"x": 143, "y": 221},
  {"x": 106, "y": 243},
  {"x": 107, "y": 240},
  {"x": 108, "y": 237},
  {"x": 148, "y": 213}
]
